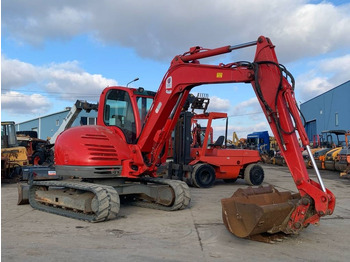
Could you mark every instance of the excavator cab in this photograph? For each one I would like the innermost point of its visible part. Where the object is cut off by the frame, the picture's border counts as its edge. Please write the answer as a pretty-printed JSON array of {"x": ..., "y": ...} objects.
[{"x": 126, "y": 109}]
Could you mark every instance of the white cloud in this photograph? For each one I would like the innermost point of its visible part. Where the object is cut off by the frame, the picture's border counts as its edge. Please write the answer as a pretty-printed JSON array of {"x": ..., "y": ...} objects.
[
  {"x": 338, "y": 68},
  {"x": 80, "y": 84},
  {"x": 16, "y": 73},
  {"x": 65, "y": 81},
  {"x": 162, "y": 29},
  {"x": 218, "y": 104},
  {"x": 248, "y": 107},
  {"x": 31, "y": 90},
  {"x": 326, "y": 74},
  {"x": 310, "y": 30},
  {"x": 18, "y": 103},
  {"x": 34, "y": 21}
]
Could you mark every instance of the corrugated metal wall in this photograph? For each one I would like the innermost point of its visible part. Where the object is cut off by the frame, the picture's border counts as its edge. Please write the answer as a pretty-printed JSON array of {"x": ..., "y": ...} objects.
[
  {"x": 328, "y": 111},
  {"x": 46, "y": 126}
]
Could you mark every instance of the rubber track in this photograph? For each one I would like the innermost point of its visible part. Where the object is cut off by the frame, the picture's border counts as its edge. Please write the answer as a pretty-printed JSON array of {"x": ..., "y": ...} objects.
[
  {"x": 107, "y": 197},
  {"x": 181, "y": 191}
]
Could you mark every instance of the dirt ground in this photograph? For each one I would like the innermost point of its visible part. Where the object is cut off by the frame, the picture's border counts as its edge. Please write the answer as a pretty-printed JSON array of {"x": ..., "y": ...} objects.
[{"x": 193, "y": 234}]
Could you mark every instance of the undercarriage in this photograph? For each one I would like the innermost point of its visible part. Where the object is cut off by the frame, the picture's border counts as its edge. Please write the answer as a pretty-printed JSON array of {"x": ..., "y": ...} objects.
[{"x": 99, "y": 200}]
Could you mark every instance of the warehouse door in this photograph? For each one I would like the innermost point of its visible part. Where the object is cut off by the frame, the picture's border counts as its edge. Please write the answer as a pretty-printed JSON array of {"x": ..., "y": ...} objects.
[{"x": 310, "y": 128}]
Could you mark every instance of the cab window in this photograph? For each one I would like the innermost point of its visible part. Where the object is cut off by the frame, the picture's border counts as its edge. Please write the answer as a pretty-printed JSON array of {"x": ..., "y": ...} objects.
[
  {"x": 144, "y": 104},
  {"x": 119, "y": 112}
]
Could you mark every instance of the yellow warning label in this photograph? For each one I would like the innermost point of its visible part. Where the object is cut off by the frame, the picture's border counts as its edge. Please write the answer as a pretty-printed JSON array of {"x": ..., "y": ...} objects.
[{"x": 219, "y": 75}]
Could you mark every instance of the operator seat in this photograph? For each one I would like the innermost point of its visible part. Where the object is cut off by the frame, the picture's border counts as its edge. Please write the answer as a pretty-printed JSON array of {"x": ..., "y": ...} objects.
[{"x": 219, "y": 142}]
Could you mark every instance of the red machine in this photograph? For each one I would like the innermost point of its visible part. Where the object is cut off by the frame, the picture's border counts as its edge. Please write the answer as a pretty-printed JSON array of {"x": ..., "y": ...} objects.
[
  {"x": 199, "y": 161},
  {"x": 121, "y": 154}
]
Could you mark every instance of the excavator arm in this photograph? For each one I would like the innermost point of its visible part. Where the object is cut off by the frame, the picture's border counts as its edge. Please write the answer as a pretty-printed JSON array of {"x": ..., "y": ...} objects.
[{"x": 270, "y": 82}]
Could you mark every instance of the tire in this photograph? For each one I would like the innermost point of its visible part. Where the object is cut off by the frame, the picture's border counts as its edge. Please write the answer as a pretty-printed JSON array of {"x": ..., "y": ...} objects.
[
  {"x": 38, "y": 158},
  {"x": 254, "y": 175},
  {"x": 183, "y": 196},
  {"x": 203, "y": 175},
  {"x": 271, "y": 153}
]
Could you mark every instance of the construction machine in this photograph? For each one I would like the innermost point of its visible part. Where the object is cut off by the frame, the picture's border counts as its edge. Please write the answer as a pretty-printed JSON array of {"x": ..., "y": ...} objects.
[
  {"x": 118, "y": 158},
  {"x": 331, "y": 158},
  {"x": 264, "y": 143},
  {"x": 236, "y": 142},
  {"x": 21, "y": 155},
  {"x": 199, "y": 161},
  {"x": 13, "y": 156},
  {"x": 38, "y": 150},
  {"x": 329, "y": 149},
  {"x": 342, "y": 163}
]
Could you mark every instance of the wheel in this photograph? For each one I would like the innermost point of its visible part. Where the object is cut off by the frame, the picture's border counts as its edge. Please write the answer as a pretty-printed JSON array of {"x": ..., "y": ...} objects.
[
  {"x": 203, "y": 175},
  {"x": 254, "y": 174},
  {"x": 38, "y": 158},
  {"x": 182, "y": 193},
  {"x": 231, "y": 180}
]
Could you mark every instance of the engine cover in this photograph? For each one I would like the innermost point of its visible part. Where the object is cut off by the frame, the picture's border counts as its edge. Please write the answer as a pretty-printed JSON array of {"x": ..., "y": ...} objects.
[{"x": 90, "y": 146}]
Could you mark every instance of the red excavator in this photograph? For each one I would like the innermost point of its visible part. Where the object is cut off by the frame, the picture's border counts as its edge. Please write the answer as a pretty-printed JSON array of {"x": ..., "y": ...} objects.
[{"x": 118, "y": 158}]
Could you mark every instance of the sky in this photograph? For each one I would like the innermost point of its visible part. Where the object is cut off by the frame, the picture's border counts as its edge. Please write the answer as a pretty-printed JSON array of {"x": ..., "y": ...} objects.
[{"x": 55, "y": 52}]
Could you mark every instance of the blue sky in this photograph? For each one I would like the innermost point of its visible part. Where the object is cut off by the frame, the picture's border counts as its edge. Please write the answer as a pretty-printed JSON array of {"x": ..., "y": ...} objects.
[{"x": 54, "y": 52}]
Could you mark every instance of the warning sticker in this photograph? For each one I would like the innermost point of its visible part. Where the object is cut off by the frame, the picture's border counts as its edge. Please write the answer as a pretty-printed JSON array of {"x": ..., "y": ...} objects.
[{"x": 169, "y": 85}]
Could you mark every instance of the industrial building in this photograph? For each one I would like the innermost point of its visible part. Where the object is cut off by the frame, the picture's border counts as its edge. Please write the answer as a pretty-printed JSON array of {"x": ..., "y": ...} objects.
[
  {"x": 328, "y": 111},
  {"x": 46, "y": 126}
]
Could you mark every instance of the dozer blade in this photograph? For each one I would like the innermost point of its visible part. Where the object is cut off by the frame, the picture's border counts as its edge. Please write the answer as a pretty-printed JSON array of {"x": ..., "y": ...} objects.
[
  {"x": 256, "y": 213},
  {"x": 23, "y": 191}
]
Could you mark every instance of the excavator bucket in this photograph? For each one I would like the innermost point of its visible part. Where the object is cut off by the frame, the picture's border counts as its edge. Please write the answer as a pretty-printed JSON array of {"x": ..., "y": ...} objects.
[{"x": 260, "y": 214}]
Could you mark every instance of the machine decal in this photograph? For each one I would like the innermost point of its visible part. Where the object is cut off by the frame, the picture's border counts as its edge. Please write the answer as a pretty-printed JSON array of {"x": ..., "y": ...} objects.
[{"x": 169, "y": 85}]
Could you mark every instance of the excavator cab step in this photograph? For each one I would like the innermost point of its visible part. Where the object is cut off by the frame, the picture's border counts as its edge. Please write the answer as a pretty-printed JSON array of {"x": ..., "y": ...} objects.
[{"x": 259, "y": 213}]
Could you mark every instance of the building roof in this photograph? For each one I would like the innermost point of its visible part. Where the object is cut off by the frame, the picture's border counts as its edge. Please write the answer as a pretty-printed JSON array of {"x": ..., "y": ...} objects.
[
  {"x": 332, "y": 89},
  {"x": 66, "y": 110}
]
